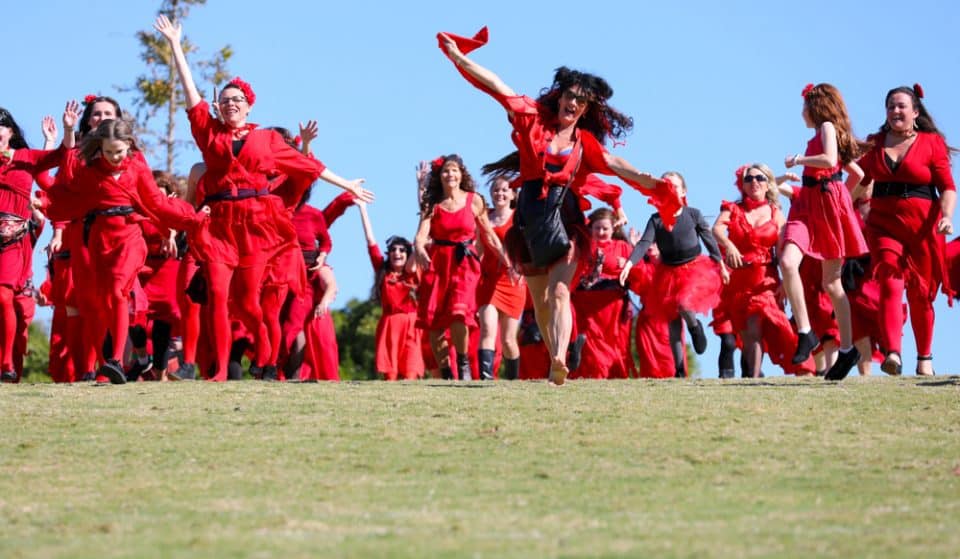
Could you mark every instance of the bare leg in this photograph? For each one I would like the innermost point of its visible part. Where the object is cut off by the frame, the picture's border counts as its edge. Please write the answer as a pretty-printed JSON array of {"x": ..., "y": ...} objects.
[{"x": 752, "y": 348}]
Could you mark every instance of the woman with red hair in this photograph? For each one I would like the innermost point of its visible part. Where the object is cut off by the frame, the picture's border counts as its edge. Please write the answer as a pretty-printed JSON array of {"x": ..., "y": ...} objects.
[
  {"x": 911, "y": 209},
  {"x": 247, "y": 226}
]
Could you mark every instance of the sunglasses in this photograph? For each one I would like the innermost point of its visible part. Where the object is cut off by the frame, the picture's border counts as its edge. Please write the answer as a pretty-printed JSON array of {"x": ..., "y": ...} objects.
[
  {"x": 580, "y": 99},
  {"x": 750, "y": 178}
]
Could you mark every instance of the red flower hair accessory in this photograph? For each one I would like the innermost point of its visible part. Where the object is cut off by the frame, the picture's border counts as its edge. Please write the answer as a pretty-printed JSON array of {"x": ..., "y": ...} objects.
[
  {"x": 918, "y": 90},
  {"x": 742, "y": 170},
  {"x": 806, "y": 90},
  {"x": 297, "y": 140},
  {"x": 245, "y": 88},
  {"x": 90, "y": 98},
  {"x": 437, "y": 163}
]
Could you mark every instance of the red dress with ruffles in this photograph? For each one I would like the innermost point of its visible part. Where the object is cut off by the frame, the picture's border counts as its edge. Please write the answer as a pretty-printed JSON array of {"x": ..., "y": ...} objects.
[
  {"x": 398, "y": 353},
  {"x": 448, "y": 291},
  {"x": 604, "y": 314},
  {"x": 496, "y": 286},
  {"x": 822, "y": 221},
  {"x": 752, "y": 290},
  {"x": 651, "y": 333}
]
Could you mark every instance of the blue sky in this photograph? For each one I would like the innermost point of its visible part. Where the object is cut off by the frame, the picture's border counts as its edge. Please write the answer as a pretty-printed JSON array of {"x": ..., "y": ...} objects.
[{"x": 710, "y": 85}]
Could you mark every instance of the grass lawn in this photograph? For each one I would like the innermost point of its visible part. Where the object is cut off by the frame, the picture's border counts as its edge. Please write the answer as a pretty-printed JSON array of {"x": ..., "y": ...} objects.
[{"x": 782, "y": 467}]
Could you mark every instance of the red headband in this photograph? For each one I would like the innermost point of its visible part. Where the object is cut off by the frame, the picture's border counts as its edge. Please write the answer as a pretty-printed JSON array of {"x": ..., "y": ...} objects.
[
  {"x": 245, "y": 88},
  {"x": 918, "y": 90},
  {"x": 806, "y": 90}
]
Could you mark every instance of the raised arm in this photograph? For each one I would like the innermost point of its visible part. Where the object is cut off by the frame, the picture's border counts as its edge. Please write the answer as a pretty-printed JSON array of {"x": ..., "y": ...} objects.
[
  {"x": 482, "y": 77},
  {"x": 367, "y": 226},
  {"x": 174, "y": 34}
]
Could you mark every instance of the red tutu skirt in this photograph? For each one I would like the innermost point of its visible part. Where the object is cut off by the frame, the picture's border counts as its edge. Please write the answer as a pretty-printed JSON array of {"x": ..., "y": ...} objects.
[
  {"x": 398, "y": 341},
  {"x": 823, "y": 224},
  {"x": 694, "y": 286}
]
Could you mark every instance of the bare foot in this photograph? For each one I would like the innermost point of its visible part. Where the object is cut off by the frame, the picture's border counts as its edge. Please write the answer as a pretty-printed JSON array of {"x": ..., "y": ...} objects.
[{"x": 558, "y": 372}]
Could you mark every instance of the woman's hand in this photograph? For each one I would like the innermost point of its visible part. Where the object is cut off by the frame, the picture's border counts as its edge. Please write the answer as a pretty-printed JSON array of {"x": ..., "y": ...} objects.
[
  {"x": 734, "y": 258},
  {"x": 451, "y": 48},
  {"x": 49, "y": 128},
  {"x": 724, "y": 274},
  {"x": 71, "y": 116},
  {"x": 620, "y": 218},
  {"x": 169, "y": 245},
  {"x": 625, "y": 272},
  {"x": 790, "y": 160},
  {"x": 172, "y": 32},
  {"x": 944, "y": 226},
  {"x": 308, "y": 133},
  {"x": 423, "y": 257},
  {"x": 355, "y": 187},
  {"x": 320, "y": 310}
]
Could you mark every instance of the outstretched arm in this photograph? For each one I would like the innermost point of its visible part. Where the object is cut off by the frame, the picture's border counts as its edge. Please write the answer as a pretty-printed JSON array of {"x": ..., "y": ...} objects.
[
  {"x": 367, "y": 226},
  {"x": 626, "y": 171},
  {"x": 174, "y": 34},
  {"x": 483, "y": 76}
]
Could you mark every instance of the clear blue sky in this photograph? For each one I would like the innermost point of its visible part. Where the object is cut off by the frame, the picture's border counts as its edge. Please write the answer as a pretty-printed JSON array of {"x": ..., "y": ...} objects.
[{"x": 710, "y": 85}]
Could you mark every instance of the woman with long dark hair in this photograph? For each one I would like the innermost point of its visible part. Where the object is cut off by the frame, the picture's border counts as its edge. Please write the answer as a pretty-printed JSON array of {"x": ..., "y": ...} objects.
[
  {"x": 911, "y": 209},
  {"x": 559, "y": 137}
]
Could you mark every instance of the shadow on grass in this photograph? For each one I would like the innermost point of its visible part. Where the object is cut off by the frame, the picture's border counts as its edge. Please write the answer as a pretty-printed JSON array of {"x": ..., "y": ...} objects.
[{"x": 951, "y": 381}]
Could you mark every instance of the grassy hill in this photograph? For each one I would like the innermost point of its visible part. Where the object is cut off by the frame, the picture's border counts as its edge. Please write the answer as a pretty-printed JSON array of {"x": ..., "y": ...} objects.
[{"x": 785, "y": 467}]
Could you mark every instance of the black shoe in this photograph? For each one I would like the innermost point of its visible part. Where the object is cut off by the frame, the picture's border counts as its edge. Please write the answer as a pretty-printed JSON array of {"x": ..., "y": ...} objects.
[
  {"x": 113, "y": 370},
  {"x": 138, "y": 369},
  {"x": 891, "y": 366},
  {"x": 805, "y": 344},
  {"x": 698, "y": 338},
  {"x": 8, "y": 376},
  {"x": 446, "y": 373},
  {"x": 846, "y": 360},
  {"x": 681, "y": 373},
  {"x": 575, "y": 352},
  {"x": 485, "y": 359},
  {"x": 728, "y": 373},
  {"x": 269, "y": 373},
  {"x": 187, "y": 371},
  {"x": 256, "y": 371},
  {"x": 463, "y": 367},
  {"x": 89, "y": 376}
]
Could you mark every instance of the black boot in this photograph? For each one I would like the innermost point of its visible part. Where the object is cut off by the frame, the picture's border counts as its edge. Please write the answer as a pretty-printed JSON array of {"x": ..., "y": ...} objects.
[
  {"x": 727, "y": 373},
  {"x": 698, "y": 338},
  {"x": 113, "y": 370},
  {"x": 234, "y": 371},
  {"x": 187, "y": 371},
  {"x": 511, "y": 369},
  {"x": 846, "y": 360},
  {"x": 463, "y": 367},
  {"x": 446, "y": 373},
  {"x": 805, "y": 344},
  {"x": 681, "y": 373},
  {"x": 270, "y": 373},
  {"x": 485, "y": 359},
  {"x": 575, "y": 352}
]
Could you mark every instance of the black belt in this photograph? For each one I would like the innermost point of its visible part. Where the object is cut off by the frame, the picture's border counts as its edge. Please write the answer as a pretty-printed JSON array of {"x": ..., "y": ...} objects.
[
  {"x": 463, "y": 248},
  {"x": 62, "y": 255},
  {"x": 810, "y": 182},
  {"x": 113, "y": 211},
  {"x": 242, "y": 194},
  {"x": 905, "y": 190}
]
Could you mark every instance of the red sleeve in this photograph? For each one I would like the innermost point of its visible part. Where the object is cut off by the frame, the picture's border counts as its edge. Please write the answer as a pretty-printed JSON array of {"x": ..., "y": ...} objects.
[
  {"x": 324, "y": 242},
  {"x": 65, "y": 201},
  {"x": 940, "y": 165},
  {"x": 169, "y": 212},
  {"x": 376, "y": 257},
  {"x": 337, "y": 207},
  {"x": 297, "y": 166},
  {"x": 604, "y": 191},
  {"x": 201, "y": 125}
]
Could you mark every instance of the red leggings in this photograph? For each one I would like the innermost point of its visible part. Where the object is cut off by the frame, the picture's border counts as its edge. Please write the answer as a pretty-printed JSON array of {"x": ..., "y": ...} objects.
[
  {"x": 271, "y": 301},
  {"x": 8, "y": 328},
  {"x": 892, "y": 286},
  {"x": 245, "y": 288}
]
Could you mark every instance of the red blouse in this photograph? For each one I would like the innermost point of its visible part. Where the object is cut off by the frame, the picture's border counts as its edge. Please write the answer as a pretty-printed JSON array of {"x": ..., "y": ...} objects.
[
  {"x": 753, "y": 242},
  {"x": 18, "y": 174},
  {"x": 927, "y": 161},
  {"x": 312, "y": 233},
  {"x": 398, "y": 291}
]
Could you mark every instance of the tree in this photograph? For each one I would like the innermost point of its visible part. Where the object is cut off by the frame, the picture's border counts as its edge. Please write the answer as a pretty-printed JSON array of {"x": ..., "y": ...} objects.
[
  {"x": 356, "y": 326},
  {"x": 37, "y": 360},
  {"x": 159, "y": 88}
]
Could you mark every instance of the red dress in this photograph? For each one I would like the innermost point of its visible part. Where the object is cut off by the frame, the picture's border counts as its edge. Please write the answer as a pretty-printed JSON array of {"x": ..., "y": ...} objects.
[
  {"x": 822, "y": 221},
  {"x": 448, "y": 291},
  {"x": 246, "y": 226},
  {"x": 534, "y": 357},
  {"x": 652, "y": 333},
  {"x": 398, "y": 340},
  {"x": 604, "y": 314},
  {"x": 159, "y": 276},
  {"x": 311, "y": 229},
  {"x": 753, "y": 287},
  {"x": 905, "y": 249},
  {"x": 321, "y": 355},
  {"x": 496, "y": 286}
]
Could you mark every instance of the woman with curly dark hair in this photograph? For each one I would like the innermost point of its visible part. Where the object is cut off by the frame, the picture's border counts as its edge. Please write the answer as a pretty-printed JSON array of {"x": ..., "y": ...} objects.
[
  {"x": 450, "y": 215},
  {"x": 559, "y": 138}
]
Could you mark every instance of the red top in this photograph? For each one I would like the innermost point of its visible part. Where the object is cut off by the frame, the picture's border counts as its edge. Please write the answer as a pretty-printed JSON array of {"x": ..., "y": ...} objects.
[
  {"x": 815, "y": 147},
  {"x": 455, "y": 226},
  {"x": 398, "y": 290},
  {"x": 264, "y": 155},
  {"x": 927, "y": 161},
  {"x": 87, "y": 188},
  {"x": 754, "y": 243},
  {"x": 312, "y": 233},
  {"x": 17, "y": 176},
  {"x": 613, "y": 250}
]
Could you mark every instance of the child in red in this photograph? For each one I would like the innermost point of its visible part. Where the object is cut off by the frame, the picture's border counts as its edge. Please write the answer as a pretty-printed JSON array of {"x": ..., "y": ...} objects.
[
  {"x": 602, "y": 307},
  {"x": 822, "y": 224},
  {"x": 107, "y": 181},
  {"x": 913, "y": 199},
  {"x": 687, "y": 282}
]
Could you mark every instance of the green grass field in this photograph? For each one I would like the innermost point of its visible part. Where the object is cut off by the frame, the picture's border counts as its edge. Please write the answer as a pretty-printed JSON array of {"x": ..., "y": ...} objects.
[{"x": 783, "y": 467}]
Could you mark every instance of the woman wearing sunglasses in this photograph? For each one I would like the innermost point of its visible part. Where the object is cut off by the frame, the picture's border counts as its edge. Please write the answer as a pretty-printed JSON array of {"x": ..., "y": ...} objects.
[{"x": 748, "y": 231}]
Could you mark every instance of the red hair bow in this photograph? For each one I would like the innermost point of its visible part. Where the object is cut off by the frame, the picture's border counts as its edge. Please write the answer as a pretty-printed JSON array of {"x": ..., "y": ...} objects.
[
  {"x": 438, "y": 162},
  {"x": 245, "y": 88},
  {"x": 89, "y": 99},
  {"x": 918, "y": 90},
  {"x": 806, "y": 90},
  {"x": 297, "y": 140}
]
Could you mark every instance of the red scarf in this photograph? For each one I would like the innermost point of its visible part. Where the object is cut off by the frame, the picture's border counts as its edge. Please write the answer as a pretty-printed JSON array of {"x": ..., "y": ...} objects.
[{"x": 750, "y": 204}]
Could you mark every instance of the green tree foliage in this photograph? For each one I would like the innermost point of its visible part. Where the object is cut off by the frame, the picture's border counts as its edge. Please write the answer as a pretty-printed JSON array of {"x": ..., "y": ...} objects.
[
  {"x": 356, "y": 326},
  {"x": 37, "y": 360},
  {"x": 158, "y": 89}
]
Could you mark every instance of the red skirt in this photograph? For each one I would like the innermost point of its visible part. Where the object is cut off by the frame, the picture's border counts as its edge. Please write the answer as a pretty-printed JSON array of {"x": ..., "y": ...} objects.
[
  {"x": 16, "y": 261},
  {"x": 159, "y": 280},
  {"x": 694, "y": 286},
  {"x": 824, "y": 225},
  {"x": 653, "y": 346},
  {"x": 500, "y": 292},
  {"x": 321, "y": 356},
  {"x": 117, "y": 253},
  {"x": 605, "y": 317},
  {"x": 244, "y": 233},
  {"x": 448, "y": 292},
  {"x": 398, "y": 341}
]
